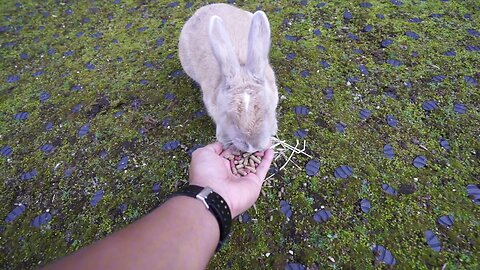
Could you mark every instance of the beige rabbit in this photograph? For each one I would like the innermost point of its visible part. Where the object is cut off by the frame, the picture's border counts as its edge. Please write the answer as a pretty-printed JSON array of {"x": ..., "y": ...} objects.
[{"x": 225, "y": 50}]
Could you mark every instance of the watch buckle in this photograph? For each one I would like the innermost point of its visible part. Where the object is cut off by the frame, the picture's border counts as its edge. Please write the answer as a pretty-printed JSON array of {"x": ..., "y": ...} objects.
[{"x": 203, "y": 195}]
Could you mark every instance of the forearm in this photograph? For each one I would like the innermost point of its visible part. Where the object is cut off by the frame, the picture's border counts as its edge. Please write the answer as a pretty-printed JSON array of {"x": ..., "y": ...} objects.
[{"x": 181, "y": 234}]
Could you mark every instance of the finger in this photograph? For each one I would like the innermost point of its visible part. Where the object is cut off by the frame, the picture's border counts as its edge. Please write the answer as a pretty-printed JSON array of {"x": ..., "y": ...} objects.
[
  {"x": 216, "y": 147},
  {"x": 264, "y": 166}
]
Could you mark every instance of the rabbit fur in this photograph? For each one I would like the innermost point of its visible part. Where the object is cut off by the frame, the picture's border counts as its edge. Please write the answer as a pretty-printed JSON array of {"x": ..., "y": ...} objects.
[{"x": 225, "y": 50}]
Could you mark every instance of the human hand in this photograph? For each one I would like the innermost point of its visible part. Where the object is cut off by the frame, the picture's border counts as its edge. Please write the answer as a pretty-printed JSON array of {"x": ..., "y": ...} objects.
[{"x": 210, "y": 168}]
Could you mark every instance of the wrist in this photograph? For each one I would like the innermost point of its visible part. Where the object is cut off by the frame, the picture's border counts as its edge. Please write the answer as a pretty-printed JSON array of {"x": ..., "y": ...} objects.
[{"x": 212, "y": 202}]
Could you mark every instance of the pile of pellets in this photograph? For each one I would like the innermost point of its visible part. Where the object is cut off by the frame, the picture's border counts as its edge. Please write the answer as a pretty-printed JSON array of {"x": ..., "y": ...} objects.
[{"x": 243, "y": 163}]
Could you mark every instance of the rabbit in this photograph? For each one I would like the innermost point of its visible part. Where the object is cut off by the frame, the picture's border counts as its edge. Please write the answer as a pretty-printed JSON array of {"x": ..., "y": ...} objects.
[{"x": 225, "y": 50}]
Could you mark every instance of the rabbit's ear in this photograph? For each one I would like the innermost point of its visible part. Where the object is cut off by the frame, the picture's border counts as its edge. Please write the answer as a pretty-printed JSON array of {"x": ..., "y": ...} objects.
[
  {"x": 222, "y": 47},
  {"x": 258, "y": 45}
]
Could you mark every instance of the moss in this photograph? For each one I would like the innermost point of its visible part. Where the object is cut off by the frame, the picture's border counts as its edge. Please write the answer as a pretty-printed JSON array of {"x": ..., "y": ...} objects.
[{"x": 396, "y": 222}]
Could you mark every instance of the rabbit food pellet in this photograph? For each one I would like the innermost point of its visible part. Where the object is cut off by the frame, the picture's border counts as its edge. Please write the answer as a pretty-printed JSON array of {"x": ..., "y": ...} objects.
[{"x": 243, "y": 163}]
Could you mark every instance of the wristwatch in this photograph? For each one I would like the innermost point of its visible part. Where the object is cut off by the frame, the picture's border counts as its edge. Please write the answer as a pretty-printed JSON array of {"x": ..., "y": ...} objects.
[{"x": 215, "y": 204}]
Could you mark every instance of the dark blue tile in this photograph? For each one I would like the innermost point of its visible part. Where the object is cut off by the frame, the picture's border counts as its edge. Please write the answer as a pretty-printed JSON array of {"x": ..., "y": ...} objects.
[
  {"x": 6, "y": 151},
  {"x": 459, "y": 108},
  {"x": 15, "y": 213},
  {"x": 432, "y": 241},
  {"x": 367, "y": 28},
  {"x": 294, "y": 265},
  {"x": 347, "y": 15},
  {"x": 363, "y": 69},
  {"x": 386, "y": 43},
  {"x": 450, "y": 53},
  {"x": 473, "y": 192},
  {"x": 312, "y": 167},
  {"x": 83, "y": 130},
  {"x": 446, "y": 221},
  {"x": 365, "y": 206},
  {"x": 171, "y": 145},
  {"x": 365, "y": 114},
  {"x": 412, "y": 35},
  {"x": 324, "y": 64},
  {"x": 21, "y": 116},
  {"x": 96, "y": 198},
  {"x": 301, "y": 110},
  {"x": 340, "y": 127},
  {"x": 286, "y": 209},
  {"x": 42, "y": 219},
  {"x": 389, "y": 190},
  {"x": 343, "y": 172},
  {"x": 444, "y": 143},
  {"x": 420, "y": 161},
  {"x": 123, "y": 163},
  {"x": 301, "y": 133},
  {"x": 47, "y": 148},
  {"x": 383, "y": 255},
  {"x": 470, "y": 80},
  {"x": 156, "y": 187},
  {"x": 415, "y": 20},
  {"x": 365, "y": 5},
  {"x": 394, "y": 62},
  {"x": 388, "y": 151},
  {"x": 12, "y": 78},
  {"x": 29, "y": 175},
  {"x": 49, "y": 126},
  {"x": 429, "y": 105},
  {"x": 44, "y": 96},
  {"x": 322, "y": 216},
  {"x": 392, "y": 121},
  {"x": 328, "y": 92}
]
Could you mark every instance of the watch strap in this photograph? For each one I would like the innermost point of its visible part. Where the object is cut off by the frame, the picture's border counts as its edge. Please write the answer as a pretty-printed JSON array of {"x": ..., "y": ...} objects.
[{"x": 215, "y": 204}]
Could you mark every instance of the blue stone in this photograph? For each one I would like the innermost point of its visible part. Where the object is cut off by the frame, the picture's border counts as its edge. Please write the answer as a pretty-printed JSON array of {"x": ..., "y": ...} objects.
[
  {"x": 83, "y": 130},
  {"x": 420, "y": 162},
  {"x": 301, "y": 110},
  {"x": 12, "y": 78},
  {"x": 122, "y": 164},
  {"x": 312, "y": 167},
  {"x": 433, "y": 241},
  {"x": 429, "y": 105},
  {"x": 389, "y": 190},
  {"x": 322, "y": 216},
  {"x": 367, "y": 28},
  {"x": 44, "y": 96},
  {"x": 6, "y": 151},
  {"x": 363, "y": 69},
  {"x": 42, "y": 219},
  {"x": 15, "y": 213},
  {"x": 301, "y": 133},
  {"x": 413, "y": 35},
  {"x": 325, "y": 64},
  {"x": 171, "y": 145},
  {"x": 459, "y": 108},
  {"x": 446, "y": 221},
  {"x": 47, "y": 148},
  {"x": 286, "y": 209},
  {"x": 394, "y": 62},
  {"x": 347, "y": 15},
  {"x": 343, "y": 172},
  {"x": 97, "y": 197},
  {"x": 383, "y": 255},
  {"x": 365, "y": 114},
  {"x": 388, "y": 151},
  {"x": 365, "y": 206},
  {"x": 29, "y": 175},
  {"x": 21, "y": 116},
  {"x": 386, "y": 42},
  {"x": 391, "y": 121}
]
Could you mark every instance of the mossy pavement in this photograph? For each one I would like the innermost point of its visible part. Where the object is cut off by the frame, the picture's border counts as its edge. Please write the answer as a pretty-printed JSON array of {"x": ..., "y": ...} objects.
[{"x": 101, "y": 81}]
